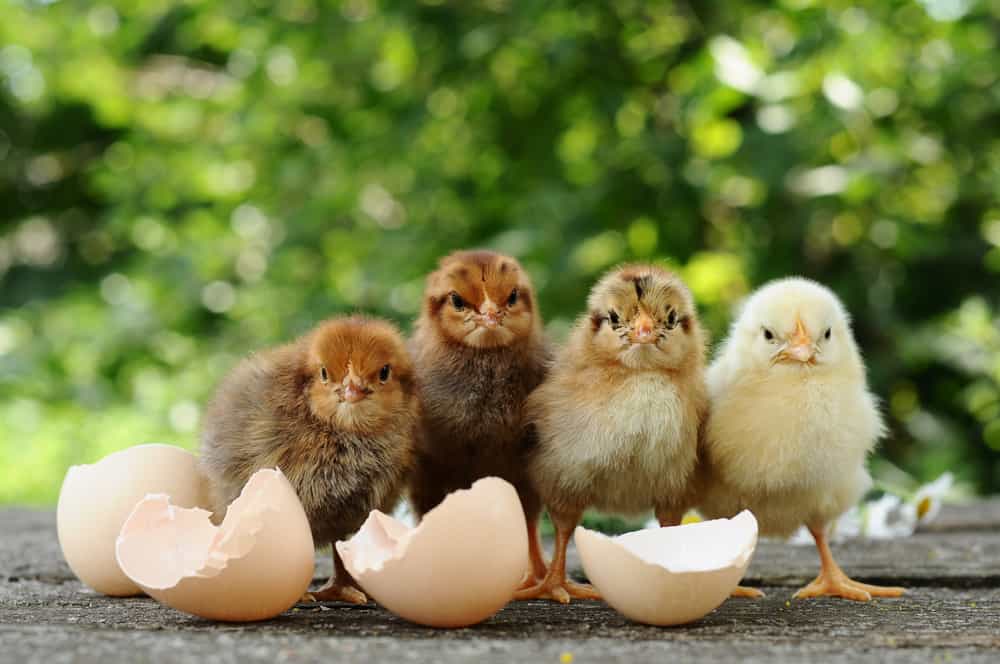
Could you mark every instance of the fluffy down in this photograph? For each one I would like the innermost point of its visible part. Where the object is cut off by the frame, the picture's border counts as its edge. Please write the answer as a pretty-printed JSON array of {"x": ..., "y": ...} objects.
[
  {"x": 478, "y": 352},
  {"x": 787, "y": 438},
  {"x": 619, "y": 416},
  {"x": 618, "y": 420},
  {"x": 336, "y": 411}
]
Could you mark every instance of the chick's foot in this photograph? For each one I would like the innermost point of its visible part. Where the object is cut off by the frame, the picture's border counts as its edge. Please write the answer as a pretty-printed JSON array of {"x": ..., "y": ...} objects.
[
  {"x": 833, "y": 582},
  {"x": 559, "y": 590},
  {"x": 336, "y": 592},
  {"x": 749, "y": 593},
  {"x": 539, "y": 570},
  {"x": 530, "y": 580},
  {"x": 838, "y": 584},
  {"x": 556, "y": 586}
]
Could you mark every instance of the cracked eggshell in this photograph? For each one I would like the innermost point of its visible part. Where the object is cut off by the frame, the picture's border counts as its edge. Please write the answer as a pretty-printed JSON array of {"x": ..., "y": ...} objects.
[
  {"x": 458, "y": 567},
  {"x": 255, "y": 565},
  {"x": 96, "y": 499},
  {"x": 673, "y": 575}
]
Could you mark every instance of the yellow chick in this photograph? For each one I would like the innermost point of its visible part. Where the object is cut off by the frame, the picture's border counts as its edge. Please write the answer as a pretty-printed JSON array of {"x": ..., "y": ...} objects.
[
  {"x": 619, "y": 415},
  {"x": 792, "y": 423}
]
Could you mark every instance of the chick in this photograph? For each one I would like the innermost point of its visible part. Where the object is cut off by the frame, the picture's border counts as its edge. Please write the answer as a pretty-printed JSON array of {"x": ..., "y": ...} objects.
[
  {"x": 478, "y": 351},
  {"x": 618, "y": 418},
  {"x": 336, "y": 411},
  {"x": 792, "y": 422}
]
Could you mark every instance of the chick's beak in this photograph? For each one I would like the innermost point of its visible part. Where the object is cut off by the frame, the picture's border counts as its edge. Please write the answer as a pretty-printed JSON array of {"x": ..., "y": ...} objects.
[
  {"x": 354, "y": 393},
  {"x": 354, "y": 389},
  {"x": 800, "y": 345},
  {"x": 490, "y": 316},
  {"x": 642, "y": 329}
]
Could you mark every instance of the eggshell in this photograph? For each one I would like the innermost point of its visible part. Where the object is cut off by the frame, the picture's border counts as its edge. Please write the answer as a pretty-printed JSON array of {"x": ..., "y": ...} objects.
[
  {"x": 669, "y": 576},
  {"x": 253, "y": 566},
  {"x": 459, "y": 566},
  {"x": 96, "y": 499}
]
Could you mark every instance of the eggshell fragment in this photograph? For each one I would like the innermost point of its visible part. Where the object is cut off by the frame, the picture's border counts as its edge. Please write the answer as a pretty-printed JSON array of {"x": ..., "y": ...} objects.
[
  {"x": 253, "y": 566},
  {"x": 458, "y": 567},
  {"x": 669, "y": 576},
  {"x": 96, "y": 499}
]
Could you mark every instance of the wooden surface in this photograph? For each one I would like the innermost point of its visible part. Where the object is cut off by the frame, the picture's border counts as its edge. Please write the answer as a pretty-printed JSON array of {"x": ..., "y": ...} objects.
[{"x": 952, "y": 613}]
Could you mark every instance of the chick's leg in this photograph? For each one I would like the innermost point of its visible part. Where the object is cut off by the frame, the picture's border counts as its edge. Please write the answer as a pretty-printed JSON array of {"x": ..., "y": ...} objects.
[
  {"x": 428, "y": 485},
  {"x": 340, "y": 588},
  {"x": 669, "y": 516},
  {"x": 747, "y": 592},
  {"x": 833, "y": 582},
  {"x": 537, "y": 569},
  {"x": 555, "y": 585}
]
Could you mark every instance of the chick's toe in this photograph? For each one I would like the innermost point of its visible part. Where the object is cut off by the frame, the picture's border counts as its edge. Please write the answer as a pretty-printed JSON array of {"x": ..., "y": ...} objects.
[
  {"x": 747, "y": 593},
  {"x": 337, "y": 592}
]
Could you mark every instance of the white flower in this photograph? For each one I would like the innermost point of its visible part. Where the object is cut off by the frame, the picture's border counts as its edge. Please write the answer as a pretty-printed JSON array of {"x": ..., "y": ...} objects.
[
  {"x": 927, "y": 500},
  {"x": 885, "y": 518},
  {"x": 888, "y": 517},
  {"x": 801, "y": 537},
  {"x": 848, "y": 526}
]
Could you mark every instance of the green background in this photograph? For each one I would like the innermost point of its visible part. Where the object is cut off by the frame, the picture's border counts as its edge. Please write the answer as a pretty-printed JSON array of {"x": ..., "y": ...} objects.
[{"x": 183, "y": 182}]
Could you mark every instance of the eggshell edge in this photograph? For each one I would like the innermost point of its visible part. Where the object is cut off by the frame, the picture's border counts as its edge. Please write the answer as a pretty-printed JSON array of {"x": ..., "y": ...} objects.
[
  {"x": 112, "y": 581},
  {"x": 243, "y": 568},
  {"x": 648, "y": 592},
  {"x": 399, "y": 568}
]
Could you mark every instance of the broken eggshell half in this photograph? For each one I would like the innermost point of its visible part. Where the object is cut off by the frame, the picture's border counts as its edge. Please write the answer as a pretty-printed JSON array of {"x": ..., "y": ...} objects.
[
  {"x": 256, "y": 564},
  {"x": 458, "y": 567},
  {"x": 96, "y": 499},
  {"x": 672, "y": 575}
]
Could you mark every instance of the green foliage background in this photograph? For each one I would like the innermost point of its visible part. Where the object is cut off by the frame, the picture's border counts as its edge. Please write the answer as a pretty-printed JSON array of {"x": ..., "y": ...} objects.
[{"x": 183, "y": 182}]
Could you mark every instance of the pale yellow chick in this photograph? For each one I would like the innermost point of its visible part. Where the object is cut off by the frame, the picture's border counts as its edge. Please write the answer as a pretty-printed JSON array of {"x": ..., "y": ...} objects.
[{"x": 792, "y": 423}]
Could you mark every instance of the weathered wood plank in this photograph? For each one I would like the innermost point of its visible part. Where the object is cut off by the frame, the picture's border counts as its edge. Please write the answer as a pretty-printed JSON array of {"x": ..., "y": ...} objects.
[
  {"x": 934, "y": 621},
  {"x": 952, "y": 614},
  {"x": 939, "y": 558}
]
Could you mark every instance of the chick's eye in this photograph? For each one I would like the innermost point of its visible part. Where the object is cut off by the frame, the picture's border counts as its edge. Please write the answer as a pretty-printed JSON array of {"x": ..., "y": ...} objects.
[
  {"x": 512, "y": 298},
  {"x": 323, "y": 375},
  {"x": 768, "y": 334},
  {"x": 826, "y": 335},
  {"x": 672, "y": 319},
  {"x": 384, "y": 372},
  {"x": 613, "y": 317},
  {"x": 457, "y": 301}
]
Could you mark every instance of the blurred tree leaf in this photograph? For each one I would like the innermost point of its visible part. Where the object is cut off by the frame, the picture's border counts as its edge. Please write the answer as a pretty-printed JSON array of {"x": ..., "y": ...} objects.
[{"x": 182, "y": 183}]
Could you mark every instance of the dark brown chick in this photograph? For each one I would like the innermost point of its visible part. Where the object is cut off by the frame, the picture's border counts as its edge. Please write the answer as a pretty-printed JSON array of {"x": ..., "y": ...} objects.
[
  {"x": 336, "y": 411},
  {"x": 478, "y": 351},
  {"x": 619, "y": 416}
]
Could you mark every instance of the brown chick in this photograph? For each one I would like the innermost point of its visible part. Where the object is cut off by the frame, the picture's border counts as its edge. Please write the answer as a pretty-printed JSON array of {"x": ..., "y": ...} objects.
[
  {"x": 478, "y": 352},
  {"x": 336, "y": 411},
  {"x": 619, "y": 416}
]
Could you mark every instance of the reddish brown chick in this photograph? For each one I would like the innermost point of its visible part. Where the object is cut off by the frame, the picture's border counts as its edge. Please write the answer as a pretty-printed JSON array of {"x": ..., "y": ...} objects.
[
  {"x": 336, "y": 411},
  {"x": 478, "y": 351}
]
